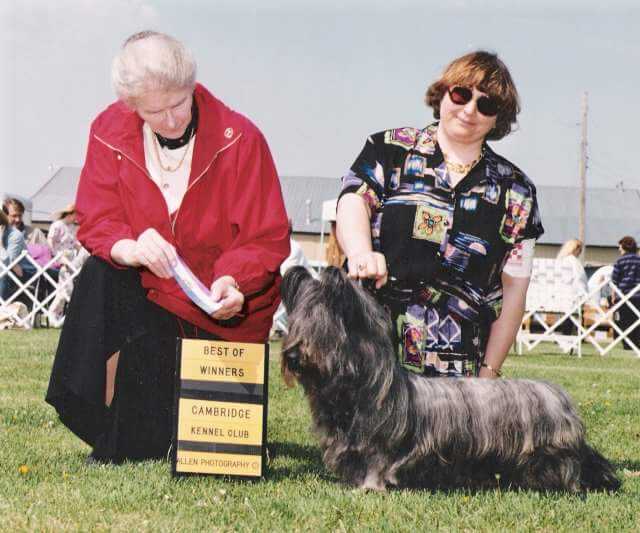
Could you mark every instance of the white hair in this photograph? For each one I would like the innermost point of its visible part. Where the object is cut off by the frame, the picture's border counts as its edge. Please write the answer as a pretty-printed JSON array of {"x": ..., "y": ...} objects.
[{"x": 150, "y": 60}]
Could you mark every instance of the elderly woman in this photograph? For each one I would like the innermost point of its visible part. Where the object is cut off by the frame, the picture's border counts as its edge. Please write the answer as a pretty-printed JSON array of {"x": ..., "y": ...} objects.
[
  {"x": 445, "y": 226},
  {"x": 171, "y": 172}
]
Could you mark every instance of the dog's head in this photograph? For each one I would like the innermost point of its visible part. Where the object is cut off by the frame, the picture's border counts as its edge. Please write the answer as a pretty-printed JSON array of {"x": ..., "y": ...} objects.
[{"x": 334, "y": 326}]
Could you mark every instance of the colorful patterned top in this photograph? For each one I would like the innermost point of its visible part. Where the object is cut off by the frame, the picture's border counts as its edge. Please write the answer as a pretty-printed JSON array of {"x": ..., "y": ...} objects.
[{"x": 445, "y": 246}]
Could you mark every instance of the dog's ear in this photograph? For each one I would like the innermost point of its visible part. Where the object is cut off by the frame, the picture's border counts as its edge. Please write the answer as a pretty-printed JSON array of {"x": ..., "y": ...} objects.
[
  {"x": 290, "y": 364},
  {"x": 335, "y": 277},
  {"x": 291, "y": 283},
  {"x": 342, "y": 292},
  {"x": 349, "y": 301}
]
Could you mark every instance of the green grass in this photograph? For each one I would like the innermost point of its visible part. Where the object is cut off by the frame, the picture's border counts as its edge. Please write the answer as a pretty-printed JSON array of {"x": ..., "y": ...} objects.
[{"x": 45, "y": 485}]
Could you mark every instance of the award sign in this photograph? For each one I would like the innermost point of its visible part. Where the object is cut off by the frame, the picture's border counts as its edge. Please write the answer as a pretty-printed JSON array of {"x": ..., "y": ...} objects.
[{"x": 220, "y": 419}]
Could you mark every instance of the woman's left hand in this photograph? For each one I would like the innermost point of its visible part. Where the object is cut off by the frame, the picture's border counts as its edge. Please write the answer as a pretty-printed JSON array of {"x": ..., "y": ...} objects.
[{"x": 225, "y": 290}]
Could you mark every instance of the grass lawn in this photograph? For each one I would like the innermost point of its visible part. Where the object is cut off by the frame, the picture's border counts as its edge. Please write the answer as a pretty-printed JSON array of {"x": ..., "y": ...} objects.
[{"x": 45, "y": 485}]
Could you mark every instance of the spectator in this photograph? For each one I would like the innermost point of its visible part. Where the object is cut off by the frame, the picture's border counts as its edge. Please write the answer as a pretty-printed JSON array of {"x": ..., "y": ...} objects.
[
  {"x": 576, "y": 277},
  {"x": 62, "y": 239},
  {"x": 12, "y": 246},
  {"x": 296, "y": 257},
  {"x": 601, "y": 297},
  {"x": 62, "y": 233},
  {"x": 569, "y": 255},
  {"x": 626, "y": 276},
  {"x": 335, "y": 255},
  {"x": 14, "y": 209}
]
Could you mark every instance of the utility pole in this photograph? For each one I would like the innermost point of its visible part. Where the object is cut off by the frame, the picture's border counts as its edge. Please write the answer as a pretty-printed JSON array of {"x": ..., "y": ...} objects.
[{"x": 583, "y": 176}]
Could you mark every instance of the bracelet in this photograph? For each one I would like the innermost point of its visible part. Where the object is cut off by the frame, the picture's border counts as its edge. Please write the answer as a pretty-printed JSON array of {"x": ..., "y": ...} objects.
[{"x": 496, "y": 372}]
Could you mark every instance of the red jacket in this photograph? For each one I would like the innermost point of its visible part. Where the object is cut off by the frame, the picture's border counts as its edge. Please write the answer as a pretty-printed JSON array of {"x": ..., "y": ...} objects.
[{"x": 231, "y": 221}]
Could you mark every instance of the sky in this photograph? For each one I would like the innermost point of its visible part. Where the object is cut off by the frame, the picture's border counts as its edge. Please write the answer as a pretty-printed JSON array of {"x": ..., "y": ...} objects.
[{"x": 318, "y": 76}]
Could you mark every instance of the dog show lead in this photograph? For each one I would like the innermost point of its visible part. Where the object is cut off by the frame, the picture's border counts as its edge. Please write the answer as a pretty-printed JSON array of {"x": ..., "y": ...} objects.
[
  {"x": 445, "y": 226},
  {"x": 172, "y": 175}
]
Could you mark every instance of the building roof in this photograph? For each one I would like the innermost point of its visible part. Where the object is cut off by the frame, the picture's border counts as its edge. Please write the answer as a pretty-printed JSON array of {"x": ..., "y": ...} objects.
[
  {"x": 56, "y": 193},
  {"x": 611, "y": 213},
  {"x": 303, "y": 198}
]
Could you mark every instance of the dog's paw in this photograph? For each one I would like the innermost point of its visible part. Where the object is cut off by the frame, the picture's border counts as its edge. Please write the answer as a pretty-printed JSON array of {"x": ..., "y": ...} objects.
[
  {"x": 372, "y": 487},
  {"x": 391, "y": 479},
  {"x": 373, "y": 481}
]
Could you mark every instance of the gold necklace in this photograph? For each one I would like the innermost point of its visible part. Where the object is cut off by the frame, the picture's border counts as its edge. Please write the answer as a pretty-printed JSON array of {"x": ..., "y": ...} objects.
[
  {"x": 168, "y": 168},
  {"x": 460, "y": 168}
]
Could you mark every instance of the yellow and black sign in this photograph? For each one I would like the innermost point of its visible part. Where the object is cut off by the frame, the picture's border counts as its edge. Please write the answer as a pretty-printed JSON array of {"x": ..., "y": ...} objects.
[{"x": 220, "y": 424}]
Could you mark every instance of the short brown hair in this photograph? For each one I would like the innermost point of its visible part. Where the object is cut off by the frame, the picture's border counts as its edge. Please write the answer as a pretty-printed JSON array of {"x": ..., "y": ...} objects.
[
  {"x": 628, "y": 244},
  {"x": 488, "y": 74}
]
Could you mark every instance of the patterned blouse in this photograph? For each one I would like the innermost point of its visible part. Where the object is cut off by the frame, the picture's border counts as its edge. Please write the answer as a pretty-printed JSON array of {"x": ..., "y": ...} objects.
[
  {"x": 626, "y": 273},
  {"x": 445, "y": 246},
  {"x": 62, "y": 237}
]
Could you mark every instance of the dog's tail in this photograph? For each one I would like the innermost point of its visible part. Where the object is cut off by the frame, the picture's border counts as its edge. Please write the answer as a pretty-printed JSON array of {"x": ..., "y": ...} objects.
[{"x": 597, "y": 473}]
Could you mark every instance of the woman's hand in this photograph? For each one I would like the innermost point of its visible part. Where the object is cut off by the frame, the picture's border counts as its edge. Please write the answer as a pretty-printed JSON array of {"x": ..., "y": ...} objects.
[
  {"x": 150, "y": 250},
  {"x": 225, "y": 290},
  {"x": 368, "y": 265},
  {"x": 353, "y": 229},
  {"x": 504, "y": 330},
  {"x": 155, "y": 253}
]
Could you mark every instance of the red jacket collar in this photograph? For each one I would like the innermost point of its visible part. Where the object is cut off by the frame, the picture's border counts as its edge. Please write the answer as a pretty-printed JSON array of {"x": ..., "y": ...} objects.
[{"x": 218, "y": 126}]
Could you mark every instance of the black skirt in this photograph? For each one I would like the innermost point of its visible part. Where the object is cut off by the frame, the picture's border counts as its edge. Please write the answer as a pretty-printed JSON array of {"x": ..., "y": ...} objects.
[{"x": 109, "y": 312}]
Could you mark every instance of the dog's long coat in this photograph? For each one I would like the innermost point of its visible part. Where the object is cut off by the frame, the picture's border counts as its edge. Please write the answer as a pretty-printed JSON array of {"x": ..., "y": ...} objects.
[{"x": 380, "y": 425}]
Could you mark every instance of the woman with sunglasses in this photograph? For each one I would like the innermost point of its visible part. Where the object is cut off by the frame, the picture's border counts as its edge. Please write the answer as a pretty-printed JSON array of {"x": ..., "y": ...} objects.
[{"x": 444, "y": 226}]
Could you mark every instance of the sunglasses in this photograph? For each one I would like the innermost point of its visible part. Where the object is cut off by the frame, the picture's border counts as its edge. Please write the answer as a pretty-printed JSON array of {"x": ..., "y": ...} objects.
[{"x": 486, "y": 105}]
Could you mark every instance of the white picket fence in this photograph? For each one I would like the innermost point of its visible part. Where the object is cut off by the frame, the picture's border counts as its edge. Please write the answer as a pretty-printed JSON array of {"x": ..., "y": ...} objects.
[
  {"x": 551, "y": 301},
  {"x": 549, "y": 296},
  {"x": 32, "y": 293}
]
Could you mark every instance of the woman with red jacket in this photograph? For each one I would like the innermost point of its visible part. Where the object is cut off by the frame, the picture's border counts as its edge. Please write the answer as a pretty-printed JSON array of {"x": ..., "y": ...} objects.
[{"x": 171, "y": 174}]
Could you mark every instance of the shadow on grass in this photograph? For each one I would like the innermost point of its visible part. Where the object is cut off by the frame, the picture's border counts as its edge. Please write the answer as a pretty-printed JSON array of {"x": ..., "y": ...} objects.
[
  {"x": 306, "y": 460},
  {"x": 634, "y": 466}
]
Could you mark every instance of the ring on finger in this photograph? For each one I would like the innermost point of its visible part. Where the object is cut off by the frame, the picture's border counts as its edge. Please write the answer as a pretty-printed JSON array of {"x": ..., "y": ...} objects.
[{"x": 361, "y": 266}]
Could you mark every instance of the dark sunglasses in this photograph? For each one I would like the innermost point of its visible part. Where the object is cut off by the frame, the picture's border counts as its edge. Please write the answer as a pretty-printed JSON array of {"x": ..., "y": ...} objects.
[{"x": 487, "y": 105}]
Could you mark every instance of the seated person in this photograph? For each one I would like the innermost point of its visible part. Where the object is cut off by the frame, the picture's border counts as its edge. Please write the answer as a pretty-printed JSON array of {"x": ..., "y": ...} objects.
[
  {"x": 14, "y": 209},
  {"x": 13, "y": 245}
]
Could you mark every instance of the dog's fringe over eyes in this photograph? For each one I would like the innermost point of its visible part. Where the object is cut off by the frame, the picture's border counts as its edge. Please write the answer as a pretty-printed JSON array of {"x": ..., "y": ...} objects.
[{"x": 381, "y": 426}]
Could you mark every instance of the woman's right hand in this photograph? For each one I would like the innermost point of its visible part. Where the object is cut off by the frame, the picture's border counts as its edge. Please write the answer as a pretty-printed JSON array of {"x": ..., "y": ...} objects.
[
  {"x": 368, "y": 265},
  {"x": 155, "y": 253},
  {"x": 150, "y": 250}
]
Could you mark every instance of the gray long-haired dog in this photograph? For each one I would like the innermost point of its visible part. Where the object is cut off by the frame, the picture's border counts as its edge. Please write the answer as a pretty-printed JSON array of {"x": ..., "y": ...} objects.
[{"x": 380, "y": 425}]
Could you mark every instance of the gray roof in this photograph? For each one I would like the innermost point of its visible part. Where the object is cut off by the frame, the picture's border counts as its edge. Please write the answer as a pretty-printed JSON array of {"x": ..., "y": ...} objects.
[
  {"x": 57, "y": 192},
  {"x": 303, "y": 197},
  {"x": 612, "y": 213}
]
